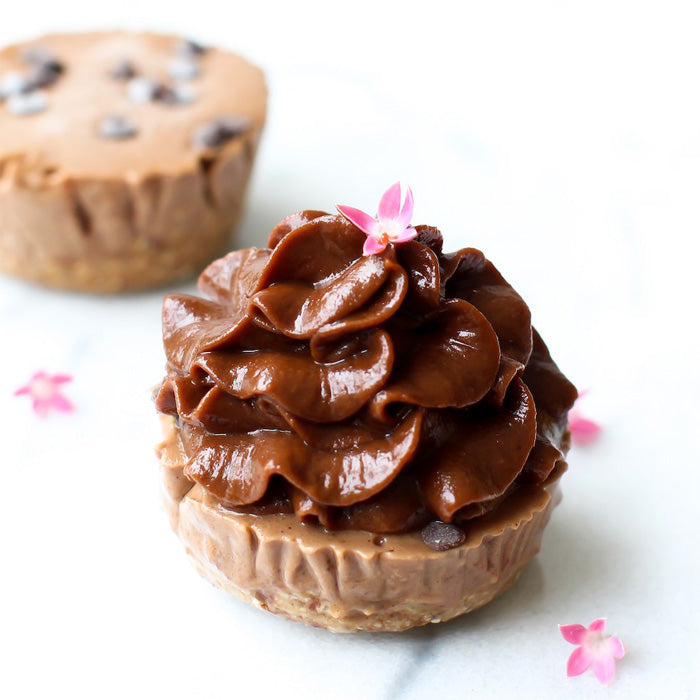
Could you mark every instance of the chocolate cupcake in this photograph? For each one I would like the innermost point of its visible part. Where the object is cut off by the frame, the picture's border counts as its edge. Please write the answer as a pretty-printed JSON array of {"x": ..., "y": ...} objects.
[
  {"x": 124, "y": 158},
  {"x": 361, "y": 431}
]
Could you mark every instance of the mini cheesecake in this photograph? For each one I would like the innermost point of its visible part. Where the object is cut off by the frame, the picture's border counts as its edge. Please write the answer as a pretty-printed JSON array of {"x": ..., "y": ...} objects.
[
  {"x": 124, "y": 157},
  {"x": 362, "y": 432}
]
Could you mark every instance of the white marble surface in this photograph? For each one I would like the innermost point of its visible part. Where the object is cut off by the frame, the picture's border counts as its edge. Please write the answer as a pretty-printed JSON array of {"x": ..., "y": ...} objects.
[{"x": 563, "y": 140}]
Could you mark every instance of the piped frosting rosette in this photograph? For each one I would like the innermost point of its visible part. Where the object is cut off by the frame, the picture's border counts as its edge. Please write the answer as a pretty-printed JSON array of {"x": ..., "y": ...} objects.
[{"x": 374, "y": 392}]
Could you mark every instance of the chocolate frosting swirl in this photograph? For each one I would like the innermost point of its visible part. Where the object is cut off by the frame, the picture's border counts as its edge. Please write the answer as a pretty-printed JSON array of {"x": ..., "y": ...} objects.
[{"x": 367, "y": 392}]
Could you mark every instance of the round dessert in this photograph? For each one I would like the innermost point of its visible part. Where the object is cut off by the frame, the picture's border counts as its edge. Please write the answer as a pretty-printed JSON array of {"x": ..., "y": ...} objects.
[
  {"x": 124, "y": 157},
  {"x": 359, "y": 440}
]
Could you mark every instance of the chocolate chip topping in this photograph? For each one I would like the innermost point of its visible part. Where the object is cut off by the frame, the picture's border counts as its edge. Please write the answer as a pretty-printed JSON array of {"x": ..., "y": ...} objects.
[
  {"x": 190, "y": 47},
  {"x": 185, "y": 64},
  {"x": 44, "y": 70},
  {"x": 45, "y": 67},
  {"x": 44, "y": 74},
  {"x": 184, "y": 94},
  {"x": 85, "y": 93},
  {"x": 123, "y": 70},
  {"x": 142, "y": 90},
  {"x": 13, "y": 84},
  {"x": 116, "y": 127},
  {"x": 219, "y": 131},
  {"x": 183, "y": 68},
  {"x": 26, "y": 103},
  {"x": 442, "y": 536},
  {"x": 174, "y": 95},
  {"x": 165, "y": 94}
]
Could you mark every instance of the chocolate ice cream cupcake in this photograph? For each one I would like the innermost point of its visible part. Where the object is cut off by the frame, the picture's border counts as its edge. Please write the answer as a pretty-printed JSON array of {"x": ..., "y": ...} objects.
[
  {"x": 124, "y": 157},
  {"x": 362, "y": 432}
]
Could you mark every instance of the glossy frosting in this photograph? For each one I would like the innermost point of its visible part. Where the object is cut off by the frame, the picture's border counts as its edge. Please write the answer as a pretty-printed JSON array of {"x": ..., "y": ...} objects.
[{"x": 362, "y": 392}]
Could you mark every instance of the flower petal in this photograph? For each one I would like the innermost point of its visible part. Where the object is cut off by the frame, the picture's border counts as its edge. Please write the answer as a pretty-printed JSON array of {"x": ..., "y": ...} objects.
[
  {"x": 362, "y": 220},
  {"x": 404, "y": 218},
  {"x": 22, "y": 390},
  {"x": 40, "y": 407},
  {"x": 617, "y": 648},
  {"x": 372, "y": 246},
  {"x": 61, "y": 403},
  {"x": 598, "y": 625},
  {"x": 583, "y": 431},
  {"x": 405, "y": 235},
  {"x": 61, "y": 378},
  {"x": 574, "y": 634},
  {"x": 604, "y": 670},
  {"x": 390, "y": 203},
  {"x": 578, "y": 662}
]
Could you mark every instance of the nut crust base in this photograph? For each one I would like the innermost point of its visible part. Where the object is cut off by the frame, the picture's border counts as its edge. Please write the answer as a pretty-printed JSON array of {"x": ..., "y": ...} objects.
[{"x": 351, "y": 581}]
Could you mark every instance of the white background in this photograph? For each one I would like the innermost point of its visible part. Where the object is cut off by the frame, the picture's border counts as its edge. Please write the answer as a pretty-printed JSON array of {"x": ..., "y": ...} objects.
[{"x": 563, "y": 139}]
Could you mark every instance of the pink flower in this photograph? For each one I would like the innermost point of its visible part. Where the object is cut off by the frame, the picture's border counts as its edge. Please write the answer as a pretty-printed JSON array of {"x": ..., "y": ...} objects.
[
  {"x": 392, "y": 223},
  {"x": 595, "y": 649},
  {"x": 583, "y": 430},
  {"x": 44, "y": 390}
]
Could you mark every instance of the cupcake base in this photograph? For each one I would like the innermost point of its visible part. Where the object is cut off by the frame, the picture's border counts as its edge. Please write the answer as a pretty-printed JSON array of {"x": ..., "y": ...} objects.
[
  {"x": 352, "y": 581},
  {"x": 109, "y": 236}
]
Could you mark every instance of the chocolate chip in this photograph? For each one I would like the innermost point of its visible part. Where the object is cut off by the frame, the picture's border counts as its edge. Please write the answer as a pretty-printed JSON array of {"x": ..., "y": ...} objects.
[
  {"x": 54, "y": 66},
  {"x": 116, "y": 127},
  {"x": 46, "y": 68},
  {"x": 13, "y": 84},
  {"x": 141, "y": 90},
  {"x": 183, "y": 68},
  {"x": 122, "y": 70},
  {"x": 442, "y": 536},
  {"x": 219, "y": 131},
  {"x": 184, "y": 94},
  {"x": 165, "y": 94},
  {"x": 174, "y": 95},
  {"x": 44, "y": 74},
  {"x": 190, "y": 48},
  {"x": 26, "y": 103}
]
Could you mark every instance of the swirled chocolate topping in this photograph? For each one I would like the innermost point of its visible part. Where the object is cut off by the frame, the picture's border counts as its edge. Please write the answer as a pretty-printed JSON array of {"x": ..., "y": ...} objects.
[{"x": 374, "y": 392}]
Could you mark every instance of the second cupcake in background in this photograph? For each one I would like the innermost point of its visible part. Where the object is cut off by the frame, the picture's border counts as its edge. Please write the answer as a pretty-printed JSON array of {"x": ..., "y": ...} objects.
[{"x": 124, "y": 158}]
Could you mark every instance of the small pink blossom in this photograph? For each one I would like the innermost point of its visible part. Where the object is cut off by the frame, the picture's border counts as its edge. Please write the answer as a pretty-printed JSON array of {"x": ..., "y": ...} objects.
[
  {"x": 392, "y": 223},
  {"x": 45, "y": 393},
  {"x": 583, "y": 430},
  {"x": 593, "y": 649}
]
